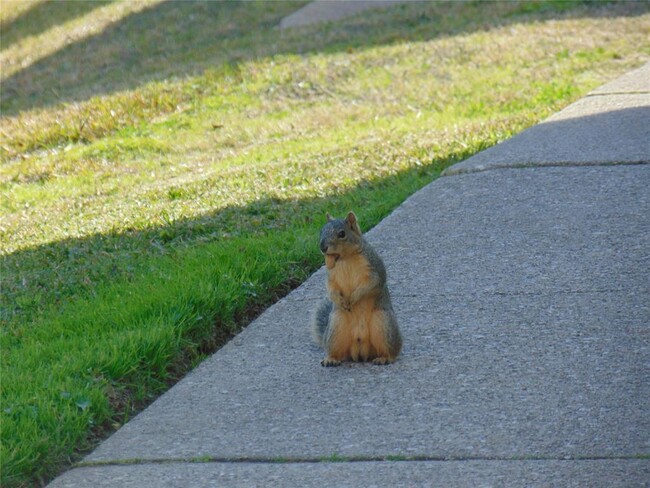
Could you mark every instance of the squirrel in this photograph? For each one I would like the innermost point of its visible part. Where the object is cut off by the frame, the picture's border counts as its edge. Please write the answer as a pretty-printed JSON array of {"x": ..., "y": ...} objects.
[{"x": 356, "y": 320}]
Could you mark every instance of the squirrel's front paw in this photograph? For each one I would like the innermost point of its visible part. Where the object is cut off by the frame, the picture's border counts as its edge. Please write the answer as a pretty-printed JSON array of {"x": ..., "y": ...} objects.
[
  {"x": 329, "y": 362},
  {"x": 345, "y": 303},
  {"x": 341, "y": 301}
]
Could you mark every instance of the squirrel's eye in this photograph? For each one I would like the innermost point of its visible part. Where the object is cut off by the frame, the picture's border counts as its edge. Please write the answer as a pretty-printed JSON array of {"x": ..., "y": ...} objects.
[{"x": 341, "y": 234}]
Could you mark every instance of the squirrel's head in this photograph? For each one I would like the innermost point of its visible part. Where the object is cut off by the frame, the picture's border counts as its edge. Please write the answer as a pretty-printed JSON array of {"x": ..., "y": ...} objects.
[{"x": 339, "y": 237}]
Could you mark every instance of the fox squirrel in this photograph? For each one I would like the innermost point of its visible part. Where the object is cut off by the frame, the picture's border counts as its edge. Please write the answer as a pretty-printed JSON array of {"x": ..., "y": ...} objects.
[{"x": 356, "y": 320}]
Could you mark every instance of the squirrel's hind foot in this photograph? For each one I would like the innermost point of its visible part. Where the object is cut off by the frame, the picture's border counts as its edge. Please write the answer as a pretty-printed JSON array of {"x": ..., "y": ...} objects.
[
  {"x": 329, "y": 362},
  {"x": 382, "y": 361}
]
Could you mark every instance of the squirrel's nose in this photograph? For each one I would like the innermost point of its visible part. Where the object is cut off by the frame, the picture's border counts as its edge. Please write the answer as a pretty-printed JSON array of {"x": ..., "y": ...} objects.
[{"x": 323, "y": 246}]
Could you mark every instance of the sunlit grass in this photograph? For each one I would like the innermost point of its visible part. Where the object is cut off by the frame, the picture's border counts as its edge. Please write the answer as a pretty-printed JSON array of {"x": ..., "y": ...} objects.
[{"x": 32, "y": 30}]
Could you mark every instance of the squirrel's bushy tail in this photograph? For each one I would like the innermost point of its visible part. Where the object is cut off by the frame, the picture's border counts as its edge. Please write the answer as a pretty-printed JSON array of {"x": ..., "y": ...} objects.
[{"x": 322, "y": 318}]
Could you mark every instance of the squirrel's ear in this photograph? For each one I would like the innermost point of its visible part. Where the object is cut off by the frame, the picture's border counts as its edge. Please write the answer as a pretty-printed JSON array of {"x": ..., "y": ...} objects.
[
  {"x": 352, "y": 221},
  {"x": 329, "y": 217}
]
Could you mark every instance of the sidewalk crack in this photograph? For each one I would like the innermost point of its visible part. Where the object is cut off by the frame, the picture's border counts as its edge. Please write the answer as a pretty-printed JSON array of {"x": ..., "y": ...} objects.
[{"x": 355, "y": 459}]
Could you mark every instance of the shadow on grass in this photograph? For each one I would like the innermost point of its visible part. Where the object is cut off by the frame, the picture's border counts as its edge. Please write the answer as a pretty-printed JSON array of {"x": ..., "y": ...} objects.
[
  {"x": 176, "y": 39},
  {"x": 43, "y": 16}
]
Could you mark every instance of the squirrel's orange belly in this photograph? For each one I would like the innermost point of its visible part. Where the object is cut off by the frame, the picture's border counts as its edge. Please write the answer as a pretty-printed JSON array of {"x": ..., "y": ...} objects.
[
  {"x": 360, "y": 347},
  {"x": 355, "y": 334}
]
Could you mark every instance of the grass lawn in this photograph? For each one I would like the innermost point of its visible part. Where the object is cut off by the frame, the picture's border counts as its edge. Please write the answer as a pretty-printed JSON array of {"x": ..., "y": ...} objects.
[{"x": 160, "y": 186}]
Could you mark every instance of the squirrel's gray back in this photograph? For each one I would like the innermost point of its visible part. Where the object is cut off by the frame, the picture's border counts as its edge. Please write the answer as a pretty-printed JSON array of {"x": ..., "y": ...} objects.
[{"x": 375, "y": 261}]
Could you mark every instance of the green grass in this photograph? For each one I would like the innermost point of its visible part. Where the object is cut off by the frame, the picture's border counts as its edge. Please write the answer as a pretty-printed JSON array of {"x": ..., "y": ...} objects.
[{"x": 160, "y": 188}]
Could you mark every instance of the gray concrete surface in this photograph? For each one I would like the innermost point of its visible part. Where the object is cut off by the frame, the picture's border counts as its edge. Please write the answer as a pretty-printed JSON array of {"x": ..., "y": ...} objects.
[
  {"x": 331, "y": 10},
  {"x": 636, "y": 81},
  {"x": 521, "y": 283}
]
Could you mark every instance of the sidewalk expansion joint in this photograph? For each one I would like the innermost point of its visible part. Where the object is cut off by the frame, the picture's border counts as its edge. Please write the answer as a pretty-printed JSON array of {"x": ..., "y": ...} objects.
[
  {"x": 451, "y": 171},
  {"x": 356, "y": 459},
  {"x": 493, "y": 293},
  {"x": 617, "y": 93}
]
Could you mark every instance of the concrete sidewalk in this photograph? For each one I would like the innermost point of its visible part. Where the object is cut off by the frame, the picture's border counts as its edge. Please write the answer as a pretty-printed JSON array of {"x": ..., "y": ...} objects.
[
  {"x": 521, "y": 283},
  {"x": 332, "y": 10}
]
